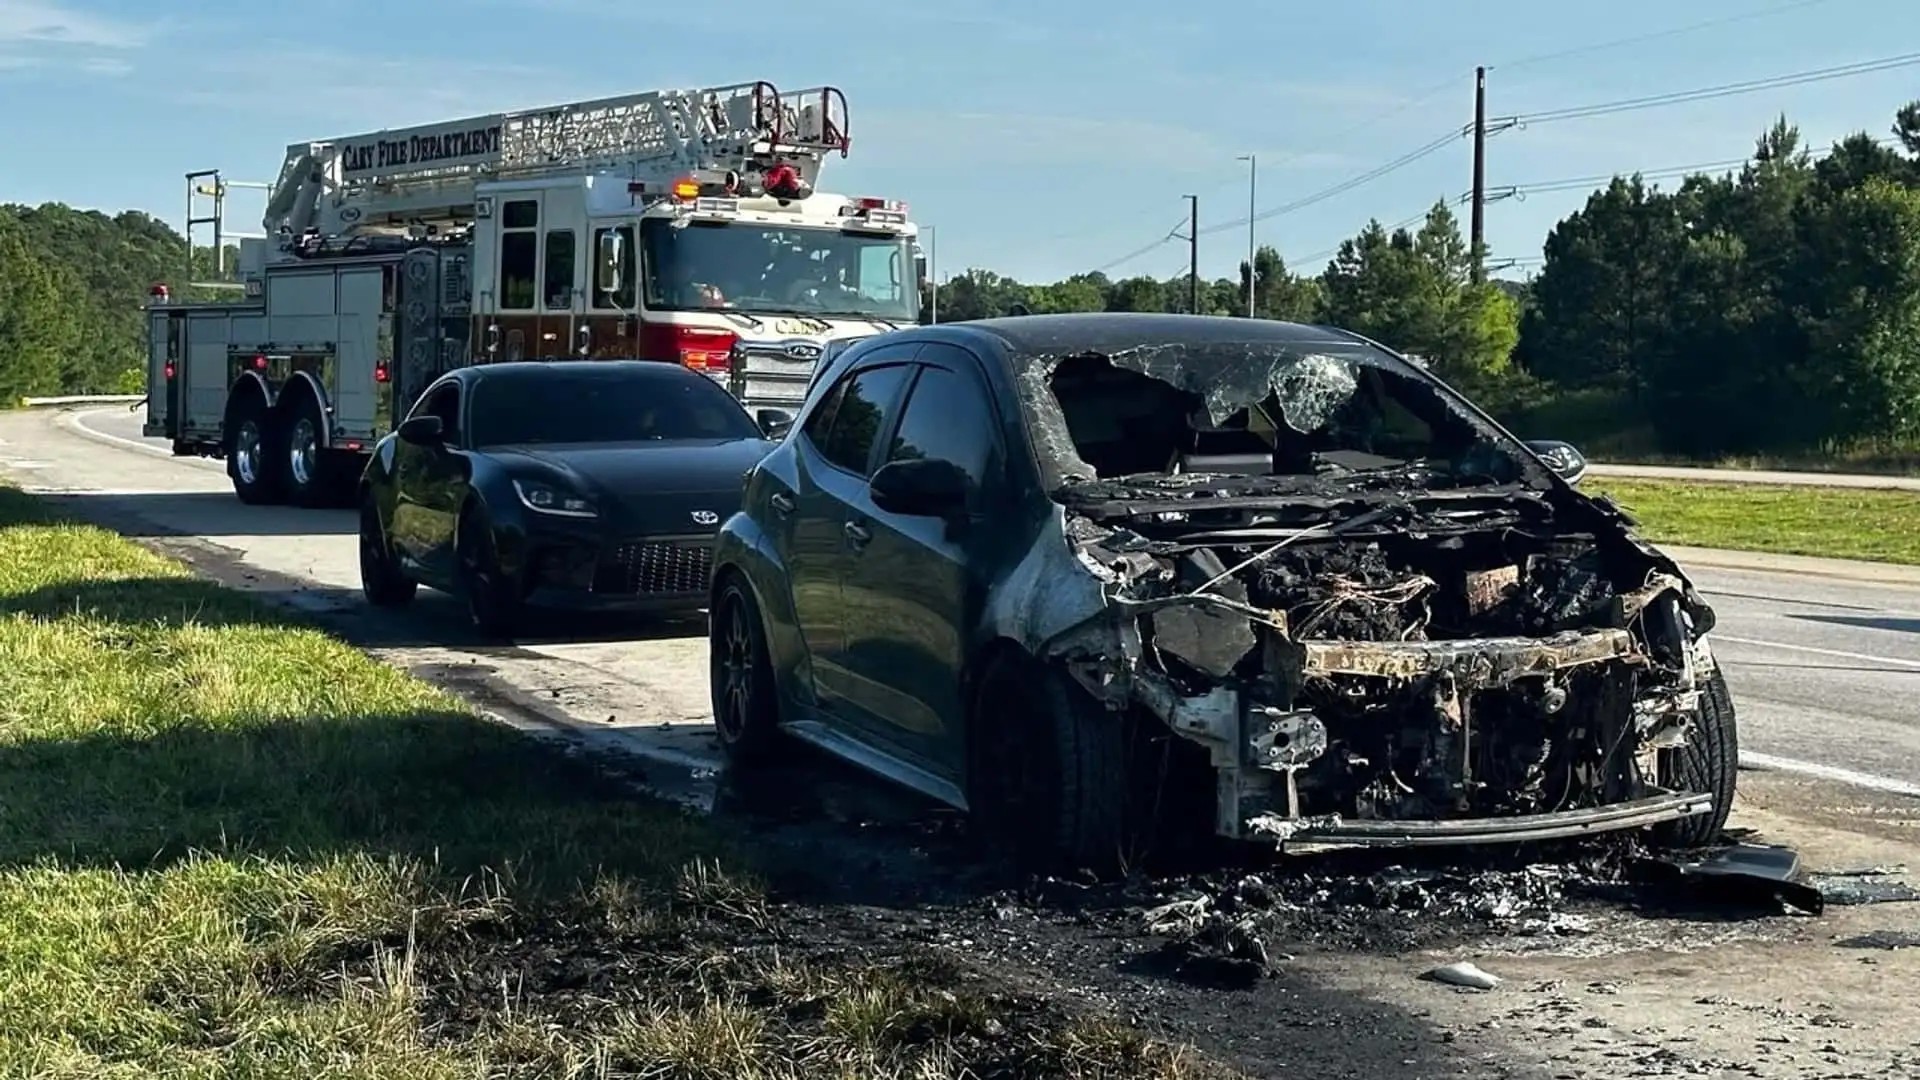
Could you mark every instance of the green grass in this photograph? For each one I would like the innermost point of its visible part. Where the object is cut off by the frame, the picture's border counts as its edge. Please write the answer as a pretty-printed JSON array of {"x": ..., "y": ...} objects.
[
  {"x": 1837, "y": 523},
  {"x": 231, "y": 845}
]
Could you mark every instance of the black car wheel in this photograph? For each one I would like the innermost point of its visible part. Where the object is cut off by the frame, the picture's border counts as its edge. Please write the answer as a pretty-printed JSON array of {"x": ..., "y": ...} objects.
[
  {"x": 1710, "y": 763},
  {"x": 255, "y": 472},
  {"x": 746, "y": 713},
  {"x": 380, "y": 577},
  {"x": 1049, "y": 774},
  {"x": 493, "y": 606}
]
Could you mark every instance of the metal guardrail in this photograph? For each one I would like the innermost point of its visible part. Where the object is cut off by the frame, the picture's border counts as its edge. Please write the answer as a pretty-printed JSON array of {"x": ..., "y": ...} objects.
[{"x": 82, "y": 399}]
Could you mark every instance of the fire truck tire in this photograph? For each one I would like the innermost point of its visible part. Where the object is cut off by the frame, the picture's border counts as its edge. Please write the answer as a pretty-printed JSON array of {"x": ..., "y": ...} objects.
[
  {"x": 251, "y": 464},
  {"x": 312, "y": 471}
]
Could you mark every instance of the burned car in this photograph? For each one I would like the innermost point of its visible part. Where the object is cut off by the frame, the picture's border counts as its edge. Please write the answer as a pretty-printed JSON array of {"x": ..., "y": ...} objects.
[{"x": 1092, "y": 577}]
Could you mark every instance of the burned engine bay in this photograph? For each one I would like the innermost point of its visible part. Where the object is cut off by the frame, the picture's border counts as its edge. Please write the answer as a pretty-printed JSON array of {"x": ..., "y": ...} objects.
[{"x": 1385, "y": 622}]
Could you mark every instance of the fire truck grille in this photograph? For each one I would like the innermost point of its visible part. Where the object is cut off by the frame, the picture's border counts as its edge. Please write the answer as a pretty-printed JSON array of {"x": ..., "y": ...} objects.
[{"x": 645, "y": 567}]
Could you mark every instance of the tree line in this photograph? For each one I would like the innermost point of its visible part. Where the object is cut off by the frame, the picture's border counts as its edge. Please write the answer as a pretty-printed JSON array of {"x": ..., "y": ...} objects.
[
  {"x": 1775, "y": 309},
  {"x": 73, "y": 288}
]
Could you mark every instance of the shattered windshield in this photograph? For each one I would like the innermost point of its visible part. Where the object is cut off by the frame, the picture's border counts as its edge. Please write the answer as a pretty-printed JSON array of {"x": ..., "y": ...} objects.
[
  {"x": 764, "y": 269},
  {"x": 1278, "y": 415}
]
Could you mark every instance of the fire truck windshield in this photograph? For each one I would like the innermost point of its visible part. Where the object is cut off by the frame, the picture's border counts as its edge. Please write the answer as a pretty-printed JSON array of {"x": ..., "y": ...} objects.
[{"x": 769, "y": 269}]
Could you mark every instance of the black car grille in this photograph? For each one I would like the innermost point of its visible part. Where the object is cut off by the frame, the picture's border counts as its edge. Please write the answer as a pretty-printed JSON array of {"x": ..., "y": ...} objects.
[{"x": 643, "y": 567}]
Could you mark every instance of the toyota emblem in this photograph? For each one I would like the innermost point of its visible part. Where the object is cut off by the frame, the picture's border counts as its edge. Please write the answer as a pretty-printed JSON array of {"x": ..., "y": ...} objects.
[
  {"x": 803, "y": 350},
  {"x": 705, "y": 517}
]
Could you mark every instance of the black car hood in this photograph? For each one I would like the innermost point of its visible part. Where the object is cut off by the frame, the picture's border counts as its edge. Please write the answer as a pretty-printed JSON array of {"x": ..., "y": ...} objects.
[{"x": 663, "y": 467}]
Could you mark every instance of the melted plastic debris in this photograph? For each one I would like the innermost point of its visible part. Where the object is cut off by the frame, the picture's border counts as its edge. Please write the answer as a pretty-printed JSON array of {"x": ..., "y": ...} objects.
[
  {"x": 1857, "y": 888},
  {"x": 1463, "y": 973}
]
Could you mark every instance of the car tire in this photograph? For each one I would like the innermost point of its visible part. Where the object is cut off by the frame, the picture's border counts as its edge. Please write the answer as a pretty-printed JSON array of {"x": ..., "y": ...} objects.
[
  {"x": 1710, "y": 763},
  {"x": 1048, "y": 770},
  {"x": 493, "y": 604},
  {"x": 381, "y": 579},
  {"x": 746, "y": 704},
  {"x": 252, "y": 464}
]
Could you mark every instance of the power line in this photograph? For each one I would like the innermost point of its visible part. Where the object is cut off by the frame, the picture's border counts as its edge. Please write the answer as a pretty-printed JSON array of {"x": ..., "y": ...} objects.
[
  {"x": 1705, "y": 93},
  {"x": 1375, "y": 173},
  {"x": 1639, "y": 39},
  {"x": 1663, "y": 172}
]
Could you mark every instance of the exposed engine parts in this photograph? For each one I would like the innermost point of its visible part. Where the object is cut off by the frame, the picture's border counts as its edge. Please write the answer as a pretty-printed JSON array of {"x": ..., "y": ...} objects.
[{"x": 1405, "y": 687}]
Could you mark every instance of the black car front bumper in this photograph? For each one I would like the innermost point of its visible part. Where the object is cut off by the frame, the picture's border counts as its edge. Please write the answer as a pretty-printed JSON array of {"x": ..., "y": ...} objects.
[{"x": 639, "y": 573}]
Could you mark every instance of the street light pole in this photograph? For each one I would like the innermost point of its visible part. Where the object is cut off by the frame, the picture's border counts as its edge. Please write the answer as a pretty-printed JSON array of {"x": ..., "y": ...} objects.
[
  {"x": 1253, "y": 173},
  {"x": 933, "y": 273}
]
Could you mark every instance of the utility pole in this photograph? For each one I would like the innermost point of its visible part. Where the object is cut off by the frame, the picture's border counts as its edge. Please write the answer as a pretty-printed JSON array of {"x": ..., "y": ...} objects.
[
  {"x": 1253, "y": 172},
  {"x": 933, "y": 273},
  {"x": 1478, "y": 231},
  {"x": 1193, "y": 254}
]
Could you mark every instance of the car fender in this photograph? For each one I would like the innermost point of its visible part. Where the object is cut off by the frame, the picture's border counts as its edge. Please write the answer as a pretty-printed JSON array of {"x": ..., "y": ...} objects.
[{"x": 742, "y": 547}]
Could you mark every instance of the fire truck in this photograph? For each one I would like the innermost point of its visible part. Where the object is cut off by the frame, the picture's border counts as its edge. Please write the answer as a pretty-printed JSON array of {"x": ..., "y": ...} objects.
[{"x": 683, "y": 226}]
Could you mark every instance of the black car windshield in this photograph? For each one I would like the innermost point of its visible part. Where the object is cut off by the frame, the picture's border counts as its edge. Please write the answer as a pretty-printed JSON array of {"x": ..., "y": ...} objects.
[
  {"x": 602, "y": 407},
  {"x": 766, "y": 269},
  {"x": 1260, "y": 409}
]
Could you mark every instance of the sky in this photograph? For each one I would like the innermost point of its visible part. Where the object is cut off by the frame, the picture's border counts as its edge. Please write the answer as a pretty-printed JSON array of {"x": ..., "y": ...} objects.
[{"x": 1038, "y": 140}]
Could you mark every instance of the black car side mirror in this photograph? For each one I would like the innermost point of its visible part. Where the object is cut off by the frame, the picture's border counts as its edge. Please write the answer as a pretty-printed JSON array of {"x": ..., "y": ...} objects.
[
  {"x": 422, "y": 430},
  {"x": 774, "y": 422},
  {"x": 925, "y": 487},
  {"x": 1561, "y": 457}
]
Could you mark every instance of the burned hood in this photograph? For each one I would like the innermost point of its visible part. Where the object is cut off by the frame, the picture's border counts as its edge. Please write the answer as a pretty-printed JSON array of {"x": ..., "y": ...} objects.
[{"x": 1309, "y": 373}]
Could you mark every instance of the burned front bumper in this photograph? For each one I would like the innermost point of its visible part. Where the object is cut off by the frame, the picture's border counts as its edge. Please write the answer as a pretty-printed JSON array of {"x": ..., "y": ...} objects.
[{"x": 1259, "y": 748}]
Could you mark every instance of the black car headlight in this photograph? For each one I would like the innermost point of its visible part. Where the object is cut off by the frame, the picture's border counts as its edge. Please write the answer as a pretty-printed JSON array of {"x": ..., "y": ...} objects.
[{"x": 548, "y": 499}]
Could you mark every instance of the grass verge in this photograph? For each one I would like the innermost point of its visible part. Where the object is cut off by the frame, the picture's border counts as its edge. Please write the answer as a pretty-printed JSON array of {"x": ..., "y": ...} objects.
[
  {"x": 231, "y": 845},
  {"x": 1836, "y": 523}
]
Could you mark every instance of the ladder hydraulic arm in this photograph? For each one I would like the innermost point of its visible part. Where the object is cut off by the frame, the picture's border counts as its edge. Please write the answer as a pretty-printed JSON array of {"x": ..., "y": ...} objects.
[{"x": 396, "y": 177}]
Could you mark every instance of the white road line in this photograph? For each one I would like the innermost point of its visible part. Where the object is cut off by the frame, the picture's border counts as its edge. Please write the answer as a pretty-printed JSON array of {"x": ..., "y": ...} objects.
[
  {"x": 78, "y": 421},
  {"x": 50, "y": 490},
  {"x": 1869, "y": 781},
  {"x": 1838, "y": 653}
]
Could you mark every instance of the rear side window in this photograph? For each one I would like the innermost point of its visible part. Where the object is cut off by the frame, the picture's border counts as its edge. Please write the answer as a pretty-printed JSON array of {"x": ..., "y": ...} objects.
[
  {"x": 947, "y": 418},
  {"x": 856, "y": 418}
]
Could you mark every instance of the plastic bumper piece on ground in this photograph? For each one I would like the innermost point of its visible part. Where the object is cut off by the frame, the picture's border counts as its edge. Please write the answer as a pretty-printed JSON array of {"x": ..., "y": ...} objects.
[{"x": 1325, "y": 835}]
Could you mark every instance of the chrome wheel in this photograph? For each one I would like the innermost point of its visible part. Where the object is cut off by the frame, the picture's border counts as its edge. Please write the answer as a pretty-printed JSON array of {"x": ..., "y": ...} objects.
[
  {"x": 246, "y": 452},
  {"x": 736, "y": 662},
  {"x": 303, "y": 452}
]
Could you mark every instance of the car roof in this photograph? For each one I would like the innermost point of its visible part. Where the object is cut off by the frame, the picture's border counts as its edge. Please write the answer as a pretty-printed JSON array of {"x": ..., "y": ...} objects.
[
  {"x": 1103, "y": 331},
  {"x": 652, "y": 369}
]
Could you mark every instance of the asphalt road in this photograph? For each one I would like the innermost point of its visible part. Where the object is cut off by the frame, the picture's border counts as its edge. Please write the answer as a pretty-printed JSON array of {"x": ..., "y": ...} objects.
[
  {"x": 1822, "y": 663},
  {"x": 1822, "y": 667}
]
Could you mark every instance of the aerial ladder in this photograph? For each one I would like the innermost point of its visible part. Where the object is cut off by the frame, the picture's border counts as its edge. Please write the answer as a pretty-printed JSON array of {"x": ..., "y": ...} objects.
[{"x": 419, "y": 181}]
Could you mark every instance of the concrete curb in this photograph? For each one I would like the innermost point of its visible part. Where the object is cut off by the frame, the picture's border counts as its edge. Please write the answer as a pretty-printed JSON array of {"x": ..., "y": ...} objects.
[
  {"x": 1857, "y": 570},
  {"x": 81, "y": 399}
]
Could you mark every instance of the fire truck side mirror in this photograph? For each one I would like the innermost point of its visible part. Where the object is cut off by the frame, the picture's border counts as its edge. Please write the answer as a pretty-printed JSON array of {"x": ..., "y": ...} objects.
[{"x": 612, "y": 256}]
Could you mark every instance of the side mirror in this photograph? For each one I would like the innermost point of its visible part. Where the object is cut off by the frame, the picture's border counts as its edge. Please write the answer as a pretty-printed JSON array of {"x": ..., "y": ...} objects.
[
  {"x": 613, "y": 247},
  {"x": 924, "y": 487},
  {"x": 1561, "y": 457},
  {"x": 422, "y": 430},
  {"x": 774, "y": 422}
]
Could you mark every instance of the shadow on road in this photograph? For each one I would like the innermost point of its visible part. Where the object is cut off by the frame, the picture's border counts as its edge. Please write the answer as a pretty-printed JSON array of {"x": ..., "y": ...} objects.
[
  {"x": 1866, "y": 622},
  {"x": 202, "y": 513}
]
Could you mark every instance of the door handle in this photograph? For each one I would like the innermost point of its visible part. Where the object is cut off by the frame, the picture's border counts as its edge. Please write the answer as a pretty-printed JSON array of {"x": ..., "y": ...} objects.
[
  {"x": 857, "y": 534},
  {"x": 782, "y": 502}
]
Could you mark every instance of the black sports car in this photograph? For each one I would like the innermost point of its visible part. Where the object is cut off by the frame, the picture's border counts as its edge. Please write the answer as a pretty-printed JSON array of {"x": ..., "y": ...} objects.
[{"x": 567, "y": 482}]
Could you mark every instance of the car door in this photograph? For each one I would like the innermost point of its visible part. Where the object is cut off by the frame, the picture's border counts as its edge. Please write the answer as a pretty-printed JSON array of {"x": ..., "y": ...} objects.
[
  {"x": 833, "y": 458},
  {"x": 914, "y": 588},
  {"x": 428, "y": 482}
]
